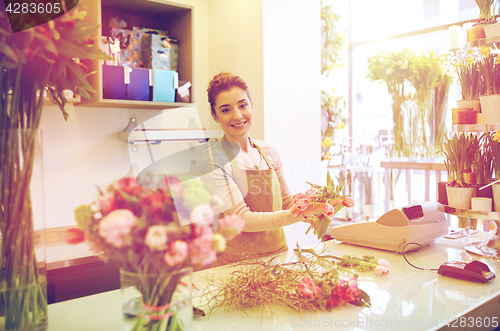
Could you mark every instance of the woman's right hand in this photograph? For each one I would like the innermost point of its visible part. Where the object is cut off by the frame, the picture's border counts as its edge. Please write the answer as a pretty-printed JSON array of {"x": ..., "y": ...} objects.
[{"x": 310, "y": 210}]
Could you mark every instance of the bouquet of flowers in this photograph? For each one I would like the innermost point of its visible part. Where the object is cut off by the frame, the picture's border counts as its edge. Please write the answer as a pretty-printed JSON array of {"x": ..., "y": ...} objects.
[
  {"x": 332, "y": 199},
  {"x": 139, "y": 228}
]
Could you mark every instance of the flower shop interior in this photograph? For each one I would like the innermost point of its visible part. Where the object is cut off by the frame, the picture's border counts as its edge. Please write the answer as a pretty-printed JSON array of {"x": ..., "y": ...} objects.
[{"x": 383, "y": 101}]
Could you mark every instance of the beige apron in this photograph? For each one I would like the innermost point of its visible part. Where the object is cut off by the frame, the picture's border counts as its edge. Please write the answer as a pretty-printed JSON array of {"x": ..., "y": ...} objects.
[{"x": 264, "y": 195}]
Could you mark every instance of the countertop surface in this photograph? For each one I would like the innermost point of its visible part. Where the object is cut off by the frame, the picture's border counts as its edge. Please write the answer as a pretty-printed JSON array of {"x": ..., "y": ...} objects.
[{"x": 406, "y": 298}]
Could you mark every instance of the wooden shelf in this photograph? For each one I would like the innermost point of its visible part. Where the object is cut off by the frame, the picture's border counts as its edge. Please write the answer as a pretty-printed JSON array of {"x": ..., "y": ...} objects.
[
  {"x": 481, "y": 42},
  {"x": 175, "y": 18},
  {"x": 475, "y": 127}
]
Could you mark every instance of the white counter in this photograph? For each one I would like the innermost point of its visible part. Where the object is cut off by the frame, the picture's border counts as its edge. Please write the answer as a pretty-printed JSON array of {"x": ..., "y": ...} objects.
[{"x": 407, "y": 299}]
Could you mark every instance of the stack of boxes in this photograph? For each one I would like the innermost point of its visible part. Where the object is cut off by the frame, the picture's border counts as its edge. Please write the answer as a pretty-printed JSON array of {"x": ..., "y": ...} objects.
[{"x": 145, "y": 59}]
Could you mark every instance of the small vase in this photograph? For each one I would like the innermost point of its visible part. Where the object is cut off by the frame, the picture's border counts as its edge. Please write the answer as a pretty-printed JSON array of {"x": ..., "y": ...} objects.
[
  {"x": 442, "y": 195},
  {"x": 459, "y": 197},
  {"x": 475, "y": 104},
  {"x": 490, "y": 105},
  {"x": 23, "y": 282},
  {"x": 492, "y": 30},
  {"x": 158, "y": 301}
]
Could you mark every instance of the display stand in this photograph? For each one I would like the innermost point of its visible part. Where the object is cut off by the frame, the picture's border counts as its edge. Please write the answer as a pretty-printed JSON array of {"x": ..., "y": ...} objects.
[{"x": 488, "y": 248}]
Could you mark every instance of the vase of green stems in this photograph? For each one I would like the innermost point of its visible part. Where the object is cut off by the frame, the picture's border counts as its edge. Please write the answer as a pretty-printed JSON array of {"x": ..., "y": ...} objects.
[{"x": 23, "y": 282}]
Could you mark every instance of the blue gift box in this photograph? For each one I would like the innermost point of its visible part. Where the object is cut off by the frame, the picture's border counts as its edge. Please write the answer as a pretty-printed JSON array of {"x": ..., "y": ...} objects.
[
  {"x": 164, "y": 85},
  {"x": 138, "y": 87},
  {"x": 113, "y": 82}
]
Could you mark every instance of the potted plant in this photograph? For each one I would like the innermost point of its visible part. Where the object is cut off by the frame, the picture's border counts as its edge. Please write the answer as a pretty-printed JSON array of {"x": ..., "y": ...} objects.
[
  {"x": 492, "y": 30},
  {"x": 486, "y": 17},
  {"x": 490, "y": 100},
  {"x": 459, "y": 151},
  {"x": 483, "y": 166},
  {"x": 470, "y": 86}
]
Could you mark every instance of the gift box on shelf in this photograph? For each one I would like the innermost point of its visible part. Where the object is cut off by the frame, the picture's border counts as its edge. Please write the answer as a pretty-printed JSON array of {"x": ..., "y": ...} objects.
[
  {"x": 133, "y": 48},
  {"x": 164, "y": 84},
  {"x": 113, "y": 82},
  {"x": 138, "y": 85}
]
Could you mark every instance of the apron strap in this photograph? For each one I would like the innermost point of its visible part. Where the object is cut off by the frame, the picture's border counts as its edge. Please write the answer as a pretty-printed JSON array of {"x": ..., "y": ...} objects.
[{"x": 275, "y": 185}]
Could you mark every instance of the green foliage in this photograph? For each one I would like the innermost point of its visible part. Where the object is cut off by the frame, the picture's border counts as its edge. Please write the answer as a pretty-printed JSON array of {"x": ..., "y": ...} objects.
[
  {"x": 332, "y": 39},
  {"x": 489, "y": 69},
  {"x": 441, "y": 92},
  {"x": 425, "y": 71},
  {"x": 470, "y": 80},
  {"x": 392, "y": 67},
  {"x": 333, "y": 106},
  {"x": 483, "y": 162},
  {"x": 495, "y": 149},
  {"x": 333, "y": 121}
]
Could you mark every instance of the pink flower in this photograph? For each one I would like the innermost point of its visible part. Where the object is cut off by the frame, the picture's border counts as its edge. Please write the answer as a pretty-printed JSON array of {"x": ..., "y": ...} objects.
[
  {"x": 302, "y": 204},
  {"x": 348, "y": 202},
  {"x": 202, "y": 215},
  {"x": 129, "y": 186},
  {"x": 307, "y": 288},
  {"x": 344, "y": 292},
  {"x": 155, "y": 204},
  {"x": 297, "y": 197},
  {"x": 107, "y": 203},
  {"x": 328, "y": 210},
  {"x": 156, "y": 237},
  {"x": 384, "y": 263},
  {"x": 177, "y": 252},
  {"x": 381, "y": 271},
  {"x": 203, "y": 251},
  {"x": 310, "y": 193},
  {"x": 117, "y": 226}
]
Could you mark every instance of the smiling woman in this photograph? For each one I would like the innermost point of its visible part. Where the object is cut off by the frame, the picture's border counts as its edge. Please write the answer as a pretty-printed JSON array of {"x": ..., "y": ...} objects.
[{"x": 247, "y": 175}]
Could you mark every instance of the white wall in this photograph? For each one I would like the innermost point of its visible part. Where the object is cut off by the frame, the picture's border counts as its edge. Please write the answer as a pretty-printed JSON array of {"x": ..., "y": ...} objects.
[
  {"x": 292, "y": 95},
  {"x": 235, "y": 45}
]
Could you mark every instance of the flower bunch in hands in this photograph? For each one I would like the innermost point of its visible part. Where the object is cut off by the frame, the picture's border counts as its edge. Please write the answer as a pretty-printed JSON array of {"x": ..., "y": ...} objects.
[{"x": 320, "y": 203}]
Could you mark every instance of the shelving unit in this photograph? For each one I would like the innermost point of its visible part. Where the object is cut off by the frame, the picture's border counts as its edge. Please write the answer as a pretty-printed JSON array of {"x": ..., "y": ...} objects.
[{"x": 175, "y": 18}]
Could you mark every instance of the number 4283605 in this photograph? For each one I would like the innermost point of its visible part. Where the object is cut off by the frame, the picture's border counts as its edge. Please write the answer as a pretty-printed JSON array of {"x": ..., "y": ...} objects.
[{"x": 34, "y": 8}]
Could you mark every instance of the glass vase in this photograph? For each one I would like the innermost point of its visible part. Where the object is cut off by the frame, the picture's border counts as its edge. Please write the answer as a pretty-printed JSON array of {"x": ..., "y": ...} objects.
[
  {"x": 158, "y": 301},
  {"x": 23, "y": 284}
]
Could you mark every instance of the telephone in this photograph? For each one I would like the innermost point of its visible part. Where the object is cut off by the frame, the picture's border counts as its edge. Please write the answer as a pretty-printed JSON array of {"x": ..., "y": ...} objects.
[{"x": 422, "y": 223}]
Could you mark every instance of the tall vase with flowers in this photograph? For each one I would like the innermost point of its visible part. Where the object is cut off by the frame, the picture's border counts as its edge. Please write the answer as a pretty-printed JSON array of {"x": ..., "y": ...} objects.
[
  {"x": 425, "y": 74},
  {"x": 140, "y": 228},
  {"x": 33, "y": 61},
  {"x": 393, "y": 68}
]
